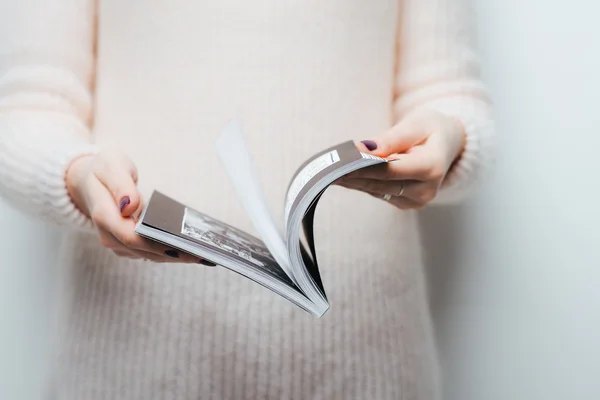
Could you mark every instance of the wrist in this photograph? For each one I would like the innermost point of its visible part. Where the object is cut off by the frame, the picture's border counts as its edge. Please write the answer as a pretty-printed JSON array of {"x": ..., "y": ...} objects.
[
  {"x": 462, "y": 133},
  {"x": 74, "y": 180}
]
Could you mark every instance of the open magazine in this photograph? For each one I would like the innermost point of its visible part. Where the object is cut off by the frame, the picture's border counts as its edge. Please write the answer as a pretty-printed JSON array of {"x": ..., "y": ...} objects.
[{"x": 285, "y": 263}]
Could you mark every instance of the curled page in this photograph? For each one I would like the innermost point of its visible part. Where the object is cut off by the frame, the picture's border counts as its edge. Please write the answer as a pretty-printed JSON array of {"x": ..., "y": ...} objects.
[{"x": 233, "y": 151}]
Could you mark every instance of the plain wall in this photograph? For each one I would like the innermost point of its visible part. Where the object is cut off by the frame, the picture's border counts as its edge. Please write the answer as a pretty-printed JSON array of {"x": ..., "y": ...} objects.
[
  {"x": 28, "y": 251},
  {"x": 514, "y": 273}
]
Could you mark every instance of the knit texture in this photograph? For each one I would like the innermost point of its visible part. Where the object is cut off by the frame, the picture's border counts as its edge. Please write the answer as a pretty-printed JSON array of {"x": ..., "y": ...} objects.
[{"x": 159, "y": 80}]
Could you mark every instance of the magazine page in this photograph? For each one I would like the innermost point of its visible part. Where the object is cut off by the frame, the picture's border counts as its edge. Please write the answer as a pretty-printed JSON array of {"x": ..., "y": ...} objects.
[
  {"x": 237, "y": 162},
  {"x": 308, "y": 184},
  {"x": 214, "y": 238},
  {"x": 316, "y": 168}
]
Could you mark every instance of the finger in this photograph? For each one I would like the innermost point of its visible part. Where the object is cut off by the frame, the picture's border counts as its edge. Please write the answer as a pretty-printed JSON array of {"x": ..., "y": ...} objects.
[
  {"x": 401, "y": 202},
  {"x": 421, "y": 166},
  {"x": 107, "y": 218},
  {"x": 420, "y": 192},
  {"x": 119, "y": 175},
  {"x": 374, "y": 185},
  {"x": 112, "y": 243},
  {"x": 125, "y": 254},
  {"x": 140, "y": 255},
  {"x": 137, "y": 213},
  {"x": 404, "y": 203},
  {"x": 398, "y": 139},
  {"x": 123, "y": 230}
]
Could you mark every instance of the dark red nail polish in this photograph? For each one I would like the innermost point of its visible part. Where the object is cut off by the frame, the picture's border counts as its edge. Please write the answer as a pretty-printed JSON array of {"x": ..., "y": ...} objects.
[
  {"x": 172, "y": 253},
  {"x": 125, "y": 201},
  {"x": 207, "y": 263},
  {"x": 369, "y": 144}
]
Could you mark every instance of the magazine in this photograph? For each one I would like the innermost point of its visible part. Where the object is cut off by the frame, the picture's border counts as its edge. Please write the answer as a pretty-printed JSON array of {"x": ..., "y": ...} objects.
[{"x": 284, "y": 262}]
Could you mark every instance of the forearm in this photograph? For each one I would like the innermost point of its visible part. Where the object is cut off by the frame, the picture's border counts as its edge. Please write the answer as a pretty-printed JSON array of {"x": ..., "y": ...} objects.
[
  {"x": 46, "y": 76},
  {"x": 33, "y": 164}
]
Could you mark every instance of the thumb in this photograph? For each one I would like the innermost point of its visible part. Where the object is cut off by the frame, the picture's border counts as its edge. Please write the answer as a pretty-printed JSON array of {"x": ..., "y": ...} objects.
[
  {"x": 398, "y": 139},
  {"x": 119, "y": 175}
]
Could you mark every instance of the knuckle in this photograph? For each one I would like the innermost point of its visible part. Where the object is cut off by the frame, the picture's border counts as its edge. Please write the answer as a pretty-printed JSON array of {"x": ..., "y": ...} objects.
[
  {"x": 130, "y": 240},
  {"x": 107, "y": 243},
  {"x": 383, "y": 146},
  {"x": 436, "y": 173},
  {"x": 389, "y": 173},
  {"x": 102, "y": 162},
  {"x": 427, "y": 195},
  {"x": 111, "y": 154},
  {"x": 112, "y": 161},
  {"x": 402, "y": 206},
  {"x": 134, "y": 171},
  {"x": 124, "y": 161},
  {"x": 372, "y": 186},
  {"x": 98, "y": 216},
  {"x": 121, "y": 253},
  {"x": 419, "y": 206}
]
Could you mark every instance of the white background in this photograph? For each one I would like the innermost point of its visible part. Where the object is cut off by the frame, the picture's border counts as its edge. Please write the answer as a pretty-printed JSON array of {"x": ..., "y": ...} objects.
[{"x": 515, "y": 273}]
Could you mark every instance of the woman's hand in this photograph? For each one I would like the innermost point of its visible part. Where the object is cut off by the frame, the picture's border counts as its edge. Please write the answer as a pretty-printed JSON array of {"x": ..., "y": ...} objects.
[
  {"x": 104, "y": 187},
  {"x": 423, "y": 147}
]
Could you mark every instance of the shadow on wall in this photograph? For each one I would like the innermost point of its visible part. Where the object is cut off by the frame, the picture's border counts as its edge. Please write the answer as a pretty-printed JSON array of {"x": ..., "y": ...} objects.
[
  {"x": 28, "y": 268},
  {"x": 444, "y": 237}
]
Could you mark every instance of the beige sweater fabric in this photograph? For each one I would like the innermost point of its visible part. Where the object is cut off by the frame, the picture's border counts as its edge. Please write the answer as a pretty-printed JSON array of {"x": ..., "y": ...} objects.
[{"x": 159, "y": 80}]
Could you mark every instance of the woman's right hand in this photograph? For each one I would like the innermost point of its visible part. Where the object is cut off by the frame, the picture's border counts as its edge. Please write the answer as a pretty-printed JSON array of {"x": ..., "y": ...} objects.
[{"x": 104, "y": 187}]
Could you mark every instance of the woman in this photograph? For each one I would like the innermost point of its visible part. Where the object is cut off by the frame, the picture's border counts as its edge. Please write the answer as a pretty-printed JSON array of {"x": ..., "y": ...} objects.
[{"x": 102, "y": 103}]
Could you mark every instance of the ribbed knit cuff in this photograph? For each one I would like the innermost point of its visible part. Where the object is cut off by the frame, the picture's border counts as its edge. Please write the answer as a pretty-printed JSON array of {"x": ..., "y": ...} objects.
[
  {"x": 52, "y": 195},
  {"x": 32, "y": 177}
]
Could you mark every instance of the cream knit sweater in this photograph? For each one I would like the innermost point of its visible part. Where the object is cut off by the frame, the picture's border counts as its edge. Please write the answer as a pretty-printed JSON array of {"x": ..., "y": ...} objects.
[{"x": 158, "y": 80}]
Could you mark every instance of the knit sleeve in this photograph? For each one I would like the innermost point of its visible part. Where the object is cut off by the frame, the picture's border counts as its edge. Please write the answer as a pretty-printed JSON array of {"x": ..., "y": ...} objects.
[
  {"x": 438, "y": 69},
  {"x": 46, "y": 75}
]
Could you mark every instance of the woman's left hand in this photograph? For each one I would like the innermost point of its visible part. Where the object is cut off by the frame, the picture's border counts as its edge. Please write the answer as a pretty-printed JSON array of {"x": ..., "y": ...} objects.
[{"x": 423, "y": 147}]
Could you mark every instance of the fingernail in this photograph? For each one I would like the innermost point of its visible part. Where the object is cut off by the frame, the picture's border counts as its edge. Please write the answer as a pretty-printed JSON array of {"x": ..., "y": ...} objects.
[
  {"x": 125, "y": 201},
  {"x": 369, "y": 144},
  {"x": 172, "y": 253},
  {"x": 207, "y": 263}
]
